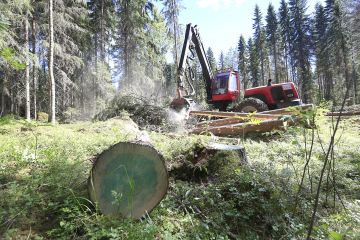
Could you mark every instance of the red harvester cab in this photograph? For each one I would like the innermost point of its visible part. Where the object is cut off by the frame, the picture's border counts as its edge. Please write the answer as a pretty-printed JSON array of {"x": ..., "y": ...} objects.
[{"x": 225, "y": 88}]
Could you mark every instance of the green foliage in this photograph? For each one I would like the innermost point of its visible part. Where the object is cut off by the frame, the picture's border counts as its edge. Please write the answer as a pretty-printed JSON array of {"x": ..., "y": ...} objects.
[
  {"x": 9, "y": 55},
  {"x": 44, "y": 171}
]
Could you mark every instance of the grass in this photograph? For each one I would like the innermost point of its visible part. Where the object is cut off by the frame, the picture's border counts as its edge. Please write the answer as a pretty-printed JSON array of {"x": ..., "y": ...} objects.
[{"x": 44, "y": 169}]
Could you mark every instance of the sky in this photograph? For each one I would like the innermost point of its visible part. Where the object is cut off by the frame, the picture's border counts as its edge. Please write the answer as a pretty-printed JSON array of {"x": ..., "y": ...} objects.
[{"x": 221, "y": 22}]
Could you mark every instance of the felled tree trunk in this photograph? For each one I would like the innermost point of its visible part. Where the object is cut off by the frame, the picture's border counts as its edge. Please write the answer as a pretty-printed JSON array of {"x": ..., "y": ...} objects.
[{"x": 129, "y": 179}]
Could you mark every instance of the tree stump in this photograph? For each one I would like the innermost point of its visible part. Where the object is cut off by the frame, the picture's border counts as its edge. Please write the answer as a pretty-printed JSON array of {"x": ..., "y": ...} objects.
[{"x": 208, "y": 161}]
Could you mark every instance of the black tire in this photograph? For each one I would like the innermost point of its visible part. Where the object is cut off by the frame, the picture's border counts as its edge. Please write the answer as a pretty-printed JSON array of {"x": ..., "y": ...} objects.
[{"x": 251, "y": 105}]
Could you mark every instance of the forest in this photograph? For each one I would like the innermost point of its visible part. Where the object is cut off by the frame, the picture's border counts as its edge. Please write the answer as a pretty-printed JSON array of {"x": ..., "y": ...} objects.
[{"x": 77, "y": 77}]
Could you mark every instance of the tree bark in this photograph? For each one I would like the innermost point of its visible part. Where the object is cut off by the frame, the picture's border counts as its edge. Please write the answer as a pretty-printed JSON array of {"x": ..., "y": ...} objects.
[
  {"x": 102, "y": 40},
  {"x": 27, "y": 70},
  {"x": 3, "y": 93},
  {"x": 51, "y": 63},
  {"x": 33, "y": 40}
]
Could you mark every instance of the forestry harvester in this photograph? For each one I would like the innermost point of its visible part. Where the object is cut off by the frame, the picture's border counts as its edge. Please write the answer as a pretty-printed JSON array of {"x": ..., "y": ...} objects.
[{"x": 223, "y": 89}]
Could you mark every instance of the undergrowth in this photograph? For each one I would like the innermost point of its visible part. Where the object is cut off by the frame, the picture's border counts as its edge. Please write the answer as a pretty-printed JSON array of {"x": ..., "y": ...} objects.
[{"x": 44, "y": 171}]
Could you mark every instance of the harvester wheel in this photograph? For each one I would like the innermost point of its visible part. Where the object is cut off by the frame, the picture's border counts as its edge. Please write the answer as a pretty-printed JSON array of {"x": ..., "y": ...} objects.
[{"x": 251, "y": 105}]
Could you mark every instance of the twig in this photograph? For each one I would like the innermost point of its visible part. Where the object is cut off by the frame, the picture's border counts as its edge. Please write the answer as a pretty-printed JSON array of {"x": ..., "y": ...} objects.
[
  {"x": 332, "y": 140},
  {"x": 306, "y": 167}
]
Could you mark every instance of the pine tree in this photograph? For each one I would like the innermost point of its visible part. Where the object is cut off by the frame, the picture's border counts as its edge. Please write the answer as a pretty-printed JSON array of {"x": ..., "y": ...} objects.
[{"x": 272, "y": 37}]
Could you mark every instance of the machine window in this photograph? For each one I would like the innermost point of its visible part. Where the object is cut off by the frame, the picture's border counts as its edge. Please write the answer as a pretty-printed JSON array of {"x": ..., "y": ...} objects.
[
  {"x": 232, "y": 83},
  {"x": 220, "y": 84}
]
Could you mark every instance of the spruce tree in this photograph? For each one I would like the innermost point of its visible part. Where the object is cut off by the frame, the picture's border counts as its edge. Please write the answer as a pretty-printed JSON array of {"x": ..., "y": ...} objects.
[
  {"x": 353, "y": 8},
  {"x": 221, "y": 62},
  {"x": 171, "y": 13},
  {"x": 338, "y": 43},
  {"x": 301, "y": 46},
  {"x": 272, "y": 37},
  {"x": 212, "y": 60},
  {"x": 259, "y": 41},
  {"x": 285, "y": 33},
  {"x": 254, "y": 63},
  {"x": 243, "y": 61},
  {"x": 322, "y": 53},
  {"x": 102, "y": 23}
]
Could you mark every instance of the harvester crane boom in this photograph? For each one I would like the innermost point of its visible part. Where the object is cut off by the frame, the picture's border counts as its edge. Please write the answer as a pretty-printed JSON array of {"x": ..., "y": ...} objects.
[{"x": 192, "y": 41}]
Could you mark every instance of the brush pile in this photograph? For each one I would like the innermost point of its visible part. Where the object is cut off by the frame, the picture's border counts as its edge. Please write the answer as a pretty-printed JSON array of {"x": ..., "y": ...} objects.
[{"x": 144, "y": 112}]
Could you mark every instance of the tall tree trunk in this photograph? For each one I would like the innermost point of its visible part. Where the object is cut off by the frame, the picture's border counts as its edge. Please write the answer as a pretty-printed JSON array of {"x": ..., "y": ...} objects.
[
  {"x": 102, "y": 41},
  {"x": 262, "y": 67},
  {"x": 286, "y": 64},
  {"x": 33, "y": 41},
  {"x": 96, "y": 73},
  {"x": 175, "y": 32},
  {"x": 51, "y": 62},
  {"x": 12, "y": 96},
  {"x": 275, "y": 62},
  {"x": 3, "y": 93},
  {"x": 27, "y": 70}
]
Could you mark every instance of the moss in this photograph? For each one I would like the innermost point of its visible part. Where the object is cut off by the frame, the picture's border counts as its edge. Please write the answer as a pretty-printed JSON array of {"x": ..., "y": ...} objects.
[{"x": 43, "y": 173}]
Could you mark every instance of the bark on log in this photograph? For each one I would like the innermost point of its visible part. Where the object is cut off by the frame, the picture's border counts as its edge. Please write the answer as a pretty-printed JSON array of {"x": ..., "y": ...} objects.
[
  {"x": 234, "y": 115},
  {"x": 221, "y": 122},
  {"x": 343, "y": 114},
  {"x": 288, "y": 110},
  {"x": 243, "y": 128}
]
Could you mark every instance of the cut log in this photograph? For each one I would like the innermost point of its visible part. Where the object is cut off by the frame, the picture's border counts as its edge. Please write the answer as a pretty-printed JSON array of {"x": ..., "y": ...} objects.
[
  {"x": 221, "y": 122},
  {"x": 242, "y": 128},
  {"x": 289, "y": 110},
  {"x": 343, "y": 114},
  {"x": 129, "y": 179},
  {"x": 234, "y": 115}
]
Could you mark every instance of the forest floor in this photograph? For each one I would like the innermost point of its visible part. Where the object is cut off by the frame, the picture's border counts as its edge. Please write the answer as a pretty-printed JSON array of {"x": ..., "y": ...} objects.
[{"x": 44, "y": 171}]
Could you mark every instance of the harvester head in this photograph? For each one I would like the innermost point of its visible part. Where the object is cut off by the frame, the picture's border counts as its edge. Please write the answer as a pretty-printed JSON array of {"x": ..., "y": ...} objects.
[{"x": 179, "y": 104}]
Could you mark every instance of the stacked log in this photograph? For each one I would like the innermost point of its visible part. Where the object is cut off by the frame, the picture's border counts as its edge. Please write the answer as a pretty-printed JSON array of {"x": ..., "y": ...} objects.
[{"x": 237, "y": 124}]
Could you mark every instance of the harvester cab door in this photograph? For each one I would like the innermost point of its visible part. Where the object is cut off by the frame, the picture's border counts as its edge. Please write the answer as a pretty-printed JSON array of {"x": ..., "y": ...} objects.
[
  {"x": 225, "y": 86},
  {"x": 220, "y": 83}
]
